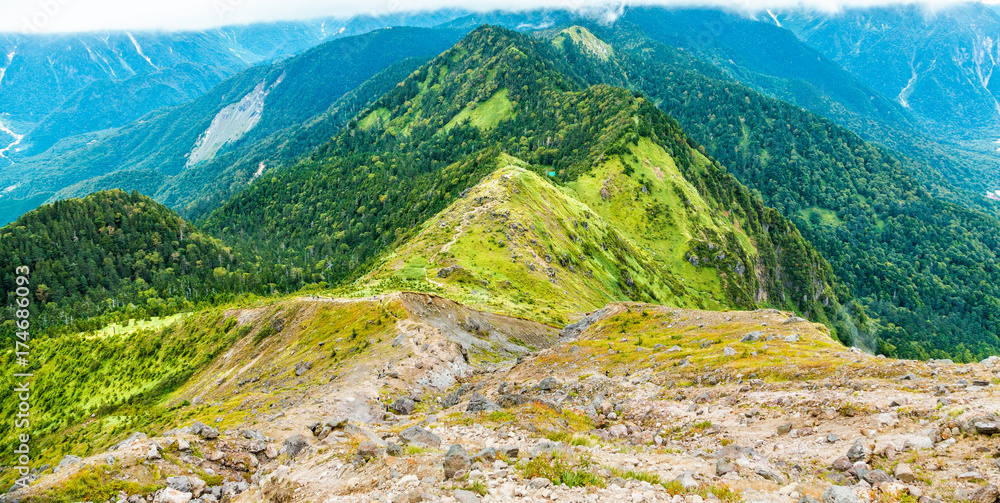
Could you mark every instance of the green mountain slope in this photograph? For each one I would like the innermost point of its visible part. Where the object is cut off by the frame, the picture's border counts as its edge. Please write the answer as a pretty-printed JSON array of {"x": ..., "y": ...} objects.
[
  {"x": 919, "y": 263},
  {"x": 113, "y": 252},
  {"x": 772, "y": 61},
  {"x": 498, "y": 95}
]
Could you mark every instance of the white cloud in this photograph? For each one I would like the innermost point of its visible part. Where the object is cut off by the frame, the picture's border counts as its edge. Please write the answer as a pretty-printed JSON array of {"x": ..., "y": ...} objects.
[{"x": 89, "y": 15}]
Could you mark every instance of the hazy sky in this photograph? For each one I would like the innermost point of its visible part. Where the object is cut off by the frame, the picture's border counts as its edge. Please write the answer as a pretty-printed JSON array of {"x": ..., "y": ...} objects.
[{"x": 85, "y": 15}]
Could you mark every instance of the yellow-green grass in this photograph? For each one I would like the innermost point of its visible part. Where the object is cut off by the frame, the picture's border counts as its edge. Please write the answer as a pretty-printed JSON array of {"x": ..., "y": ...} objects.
[
  {"x": 627, "y": 341},
  {"x": 484, "y": 115},
  {"x": 101, "y": 389},
  {"x": 155, "y": 323}
]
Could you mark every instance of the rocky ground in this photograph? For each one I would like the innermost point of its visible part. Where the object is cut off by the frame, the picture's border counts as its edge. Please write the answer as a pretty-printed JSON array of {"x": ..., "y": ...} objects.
[{"x": 634, "y": 403}]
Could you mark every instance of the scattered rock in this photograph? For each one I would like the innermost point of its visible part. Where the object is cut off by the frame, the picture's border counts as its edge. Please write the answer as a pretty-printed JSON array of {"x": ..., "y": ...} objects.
[
  {"x": 463, "y": 496},
  {"x": 859, "y": 452},
  {"x": 728, "y": 351},
  {"x": 842, "y": 464},
  {"x": 687, "y": 481},
  {"x": 368, "y": 450},
  {"x": 539, "y": 483},
  {"x": 544, "y": 448},
  {"x": 179, "y": 483},
  {"x": 752, "y": 336},
  {"x": 970, "y": 475},
  {"x": 170, "y": 495},
  {"x": 771, "y": 475},
  {"x": 488, "y": 454},
  {"x": 986, "y": 425},
  {"x": 904, "y": 473},
  {"x": 986, "y": 494}
]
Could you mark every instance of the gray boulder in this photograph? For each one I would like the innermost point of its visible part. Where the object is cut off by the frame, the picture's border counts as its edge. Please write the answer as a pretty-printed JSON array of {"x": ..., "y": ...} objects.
[
  {"x": 295, "y": 444},
  {"x": 420, "y": 437},
  {"x": 456, "y": 460},
  {"x": 368, "y": 450},
  {"x": 67, "y": 461},
  {"x": 548, "y": 384},
  {"x": 403, "y": 406},
  {"x": 544, "y": 448},
  {"x": 840, "y": 494},
  {"x": 180, "y": 483},
  {"x": 463, "y": 496},
  {"x": 986, "y": 494},
  {"x": 479, "y": 403},
  {"x": 753, "y": 336},
  {"x": 859, "y": 452},
  {"x": 302, "y": 368}
]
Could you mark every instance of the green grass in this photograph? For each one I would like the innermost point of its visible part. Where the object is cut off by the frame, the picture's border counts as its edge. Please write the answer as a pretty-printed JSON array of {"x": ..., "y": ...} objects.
[
  {"x": 96, "y": 484},
  {"x": 485, "y": 115},
  {"x": 370, "y": 120},
  {"x": 156, "y": 323},
  {"x": 102, "y": 389},
  {"x": 573, "y": 473},
  {"x": 642, "y": 476}
]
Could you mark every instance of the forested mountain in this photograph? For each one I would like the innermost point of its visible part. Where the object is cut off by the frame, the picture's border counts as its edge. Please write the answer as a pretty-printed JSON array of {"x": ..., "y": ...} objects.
[
  {"x": 772, "y": 60},
  {"x": 937, "y": 63},
  {"x": 919, "y": 263},
  {"x": 169, "y": 154},
  {"x": 114, "y": 252},
  {"x": 497, "y": 94}
]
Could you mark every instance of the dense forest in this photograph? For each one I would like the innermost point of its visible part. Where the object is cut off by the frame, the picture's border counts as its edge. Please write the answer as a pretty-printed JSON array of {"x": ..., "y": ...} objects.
[
  {"x": 921, "y": 265},
  {"x": 114, "y": 253}
]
